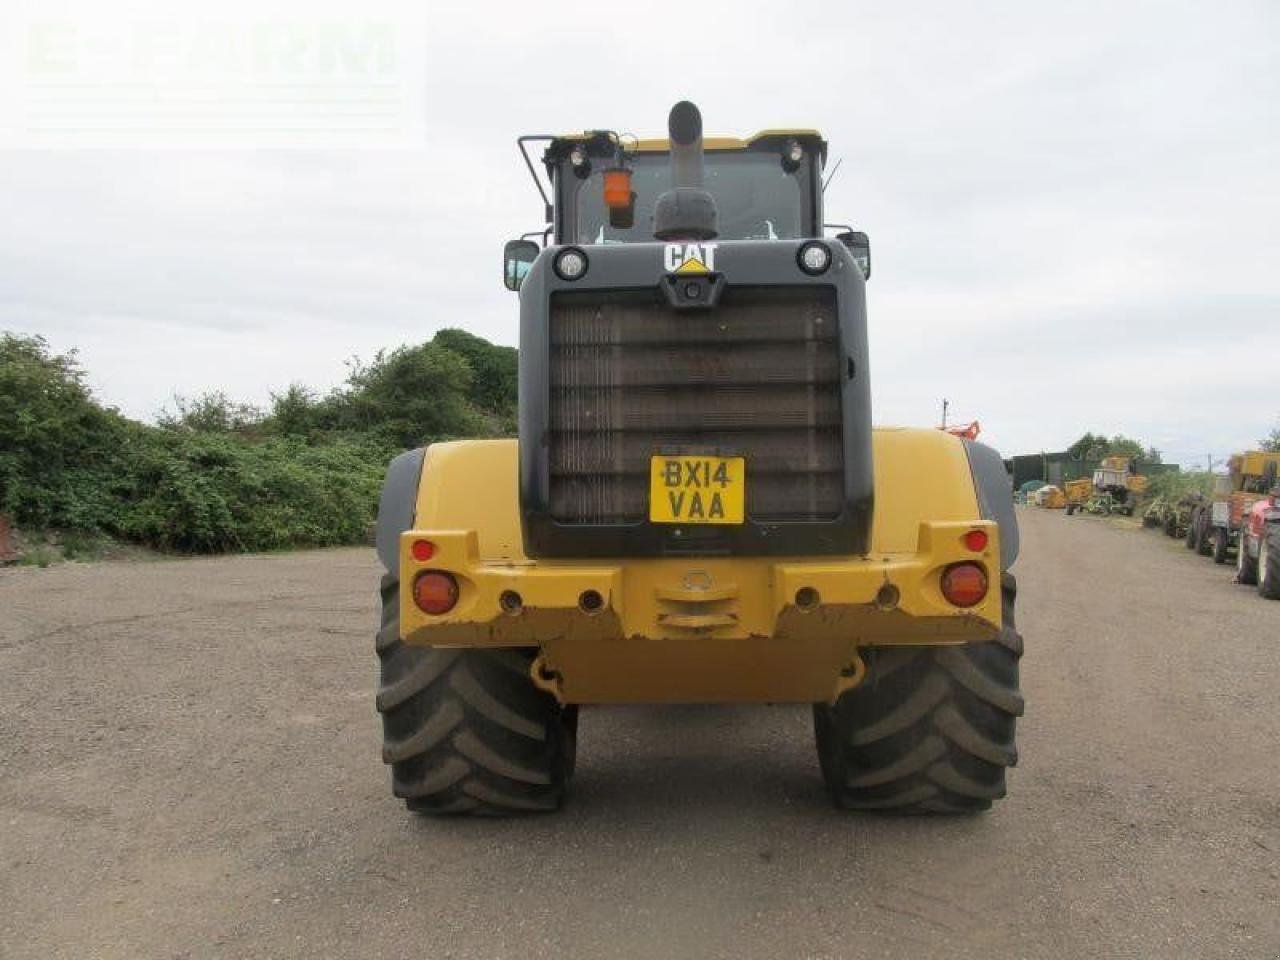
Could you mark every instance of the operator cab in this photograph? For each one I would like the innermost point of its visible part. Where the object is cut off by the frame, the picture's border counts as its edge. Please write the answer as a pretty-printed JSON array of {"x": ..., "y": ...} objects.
[
  {"x": 602, "y": 188},
  {"x": 761, "y": 192}
]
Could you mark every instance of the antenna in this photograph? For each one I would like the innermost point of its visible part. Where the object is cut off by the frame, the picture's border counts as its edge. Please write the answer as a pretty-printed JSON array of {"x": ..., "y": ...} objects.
[{"x": 832, "y": 175}]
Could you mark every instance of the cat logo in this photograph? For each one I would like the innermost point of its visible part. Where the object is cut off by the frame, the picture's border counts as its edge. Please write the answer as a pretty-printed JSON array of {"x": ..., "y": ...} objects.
[{"x": 686, "y": 258}]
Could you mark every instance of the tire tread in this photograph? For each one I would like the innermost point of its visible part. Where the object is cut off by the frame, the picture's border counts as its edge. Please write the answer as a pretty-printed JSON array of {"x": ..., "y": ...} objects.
[
  {"x": 1269, "y": 586},
  {"x": 930, "y": 729},
  {"x": 466, "y": 731}
]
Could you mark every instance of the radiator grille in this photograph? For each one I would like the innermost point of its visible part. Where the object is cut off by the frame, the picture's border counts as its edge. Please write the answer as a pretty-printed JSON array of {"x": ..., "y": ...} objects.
[{"x": 758, "y": 377}]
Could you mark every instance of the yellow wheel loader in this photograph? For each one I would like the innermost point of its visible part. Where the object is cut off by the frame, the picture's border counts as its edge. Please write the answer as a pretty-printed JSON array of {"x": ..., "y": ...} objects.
[{"x": 697, "y": 508}]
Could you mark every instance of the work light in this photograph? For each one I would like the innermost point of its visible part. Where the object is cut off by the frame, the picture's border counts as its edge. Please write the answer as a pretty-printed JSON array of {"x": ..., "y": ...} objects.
[
  {"x": 792, "y": 155},
  {"x": 814, "y": 258},
  {"x": 570, "y": 263}
]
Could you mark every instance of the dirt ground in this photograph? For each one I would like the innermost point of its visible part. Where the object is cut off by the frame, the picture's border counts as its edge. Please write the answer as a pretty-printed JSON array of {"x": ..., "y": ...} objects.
[{"x": 190, "y": 768}]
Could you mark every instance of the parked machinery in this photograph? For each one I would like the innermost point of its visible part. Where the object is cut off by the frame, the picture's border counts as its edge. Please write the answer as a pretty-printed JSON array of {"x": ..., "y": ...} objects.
[
  {"x": 1203, "y": 534},
  {"x": 1050, "y": 497},
  {"x": 1196, "y": 507},
  {"x": 1258, "y": 552},
  {"x": 1099, "y": 504},
  {"x": 1077, "y": 493},
  {"x": 1175, "y": 515},
  {"x": 1217, "y": 526},
  {"x": 1153, "y": 515},
  {"x": 1118, "y": 486}
]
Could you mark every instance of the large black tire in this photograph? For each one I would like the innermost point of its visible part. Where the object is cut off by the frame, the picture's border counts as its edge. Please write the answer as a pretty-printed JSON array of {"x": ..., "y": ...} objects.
[
  {"x": 1221, "y": 543},
  {"x": 1171, "y": 526},
  {"x": 1204, "y": 532},
  {"x": 1246, "y": 566},
  {"x": 1269, "y": 563},
  {"x": 930, "y": 729},
  {"x": 1204, "y": 540},
  {"x": 1191, "y": 540},
  {"x": 467, "y": 731}
]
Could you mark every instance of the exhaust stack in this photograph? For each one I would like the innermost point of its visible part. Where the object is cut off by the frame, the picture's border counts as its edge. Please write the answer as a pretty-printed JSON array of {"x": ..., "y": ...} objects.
[{"x": 686, "y": 211}]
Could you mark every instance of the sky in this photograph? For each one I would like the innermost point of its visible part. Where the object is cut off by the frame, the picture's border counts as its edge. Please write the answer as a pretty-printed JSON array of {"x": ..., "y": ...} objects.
[{"x": 1073, "y": 208}]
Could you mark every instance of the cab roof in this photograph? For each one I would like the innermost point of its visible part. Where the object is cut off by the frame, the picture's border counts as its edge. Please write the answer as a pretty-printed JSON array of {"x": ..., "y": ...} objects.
[{"x": 811, "y": 138}]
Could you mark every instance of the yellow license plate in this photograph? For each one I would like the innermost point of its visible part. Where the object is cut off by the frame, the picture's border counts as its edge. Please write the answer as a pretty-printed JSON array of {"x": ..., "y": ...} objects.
[{"x": 684, "y": 489}]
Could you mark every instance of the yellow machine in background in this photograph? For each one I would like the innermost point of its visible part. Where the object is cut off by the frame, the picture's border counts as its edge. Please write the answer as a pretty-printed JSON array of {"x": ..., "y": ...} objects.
[
  {"x": 1051, "y": 497},
  {"x": 1077, "y": 494}
]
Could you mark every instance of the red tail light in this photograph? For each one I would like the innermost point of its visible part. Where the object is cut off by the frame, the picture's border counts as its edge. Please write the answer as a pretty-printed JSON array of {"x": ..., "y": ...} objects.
[
  {"x": 976, "y": 540},
  {"x": 964, "y": 584},
  {"x": 435, "y": 592},
  {"x": 423, "y": 550}
]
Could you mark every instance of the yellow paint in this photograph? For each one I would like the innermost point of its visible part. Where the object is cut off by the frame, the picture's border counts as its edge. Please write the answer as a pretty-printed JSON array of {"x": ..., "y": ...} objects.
[
  {"x": 1053, "y": 499},
  {"x": 685, "y": 489},
  {"x": 692, "y": 265},
  {"x": 663, "y": 145},
  {"x": 1078, "y": 491},
  {"x": 1253, "y": 463},
  {"x": 704, "y": 628}
]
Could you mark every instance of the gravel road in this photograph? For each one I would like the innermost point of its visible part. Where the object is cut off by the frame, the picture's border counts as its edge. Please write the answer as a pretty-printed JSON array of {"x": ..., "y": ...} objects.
[{"x": 189, "y": 767}]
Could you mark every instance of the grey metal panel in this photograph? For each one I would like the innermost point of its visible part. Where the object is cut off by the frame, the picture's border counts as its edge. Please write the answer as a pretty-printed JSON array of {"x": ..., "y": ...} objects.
[
  {"x": 995, "y": 497},
  {"x": 623, "y": 268},
  {"x": 397, "y": 507}
]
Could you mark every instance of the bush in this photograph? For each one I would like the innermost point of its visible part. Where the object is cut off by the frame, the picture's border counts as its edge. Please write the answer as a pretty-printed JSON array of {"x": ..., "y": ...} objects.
[
  {"x": 219, "y": 476},
  {"x": 493, "y": 368},
  {"x": 456, "y": 385},
  {"x": 411, "y": 396},
  {"x": 1096, "y": 446},
  {"x": 212, "y": 412},
  {"x": 212, "y": 494},
  {"x": 1175, "y": 484},
  {"x": 50, "y": 432},
  {"x": 1271, "y": 442}
]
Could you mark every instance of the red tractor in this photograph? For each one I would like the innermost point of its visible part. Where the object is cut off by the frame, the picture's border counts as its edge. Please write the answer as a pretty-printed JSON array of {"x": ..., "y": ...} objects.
[{"x": 1259, "y": 554}]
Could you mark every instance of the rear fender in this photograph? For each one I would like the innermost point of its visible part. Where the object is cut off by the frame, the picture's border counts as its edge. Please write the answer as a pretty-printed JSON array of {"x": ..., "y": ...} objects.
[
  {"x": 995, "y": 496},
  {"x": 397, "y": 507}
]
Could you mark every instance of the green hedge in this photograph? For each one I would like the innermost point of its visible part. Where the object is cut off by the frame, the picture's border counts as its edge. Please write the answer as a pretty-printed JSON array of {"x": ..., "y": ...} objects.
[
  {"x": 211, "y": 493},
  {"x": 217, "y": 476}
]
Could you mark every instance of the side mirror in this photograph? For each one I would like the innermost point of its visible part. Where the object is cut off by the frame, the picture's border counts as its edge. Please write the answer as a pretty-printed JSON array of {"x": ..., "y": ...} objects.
[
  {"x": 517, "y": 258},
  {"x": 859, "y": 245}
]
